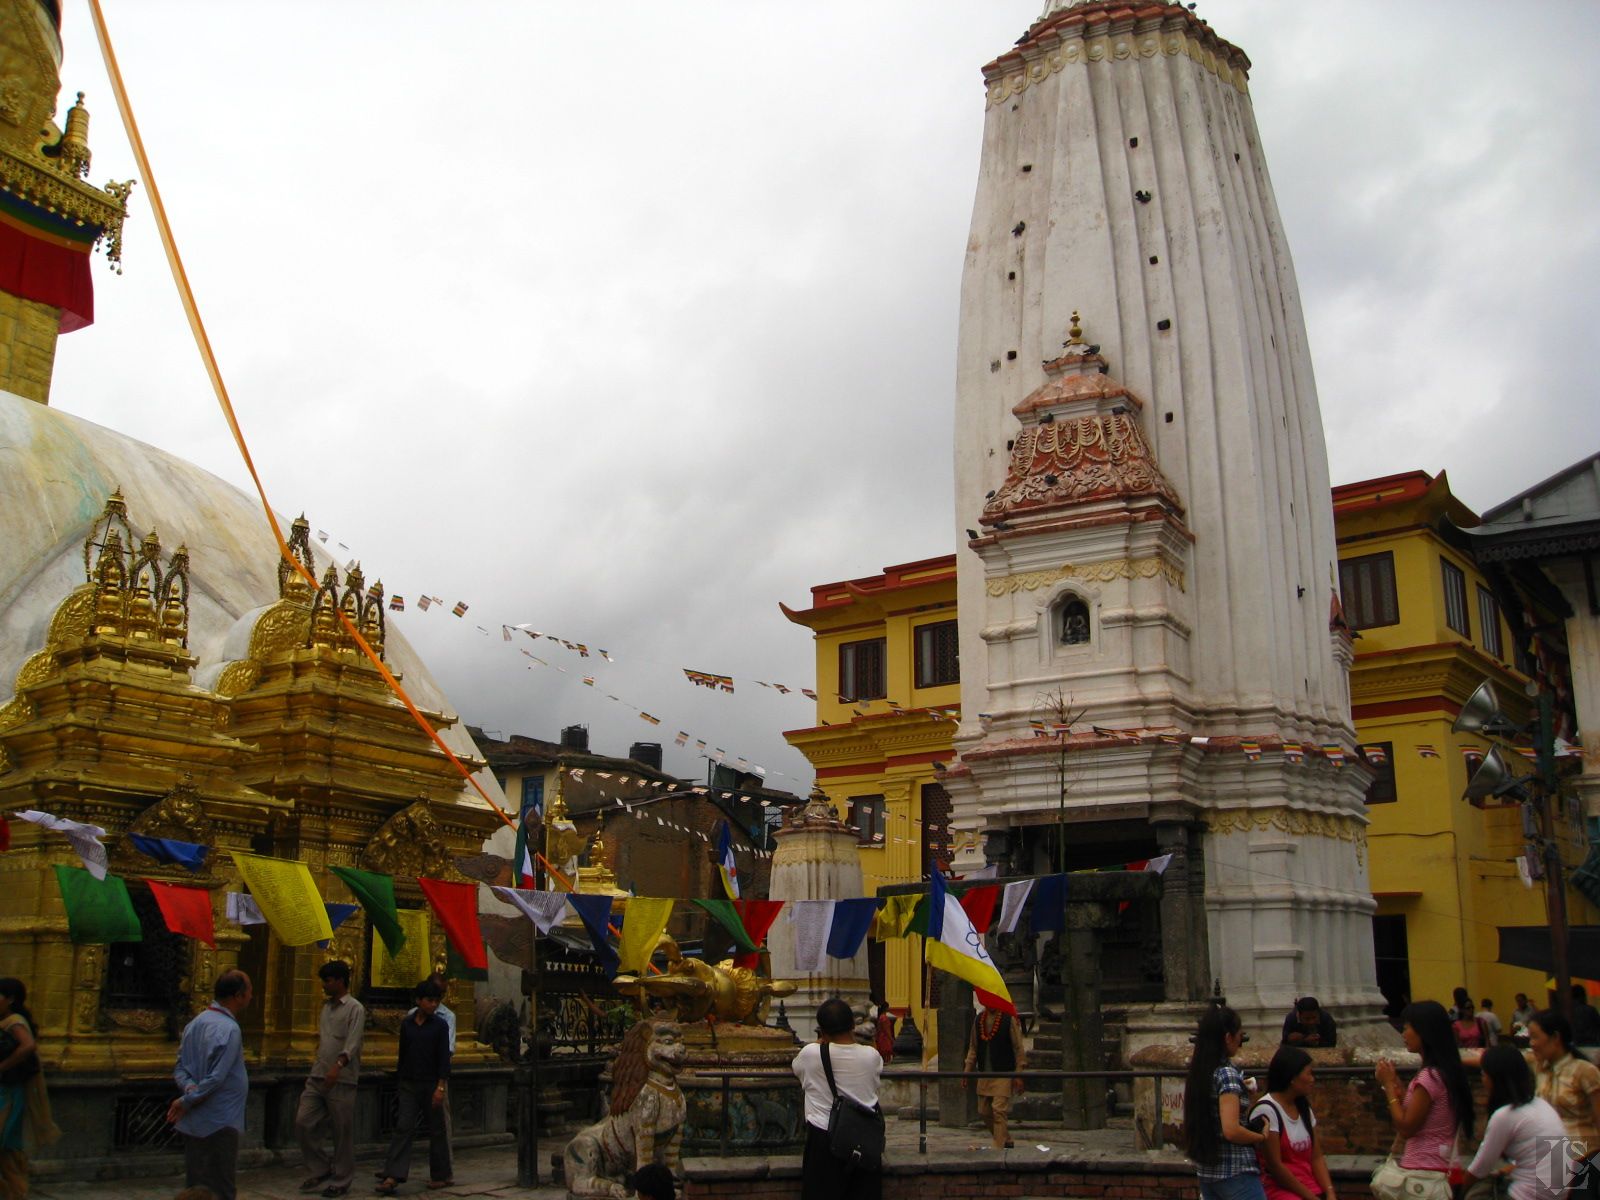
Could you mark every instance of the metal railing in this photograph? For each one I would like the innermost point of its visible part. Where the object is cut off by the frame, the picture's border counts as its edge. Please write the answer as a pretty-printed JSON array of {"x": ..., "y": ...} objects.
[{"x": 922, "y": 1079}]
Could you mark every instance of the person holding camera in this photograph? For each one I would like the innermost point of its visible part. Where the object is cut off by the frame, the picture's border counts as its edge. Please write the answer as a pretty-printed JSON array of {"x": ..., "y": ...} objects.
[
  {"x": 1218, "y": 1142},
  {"x": 835, "y": 1065}
]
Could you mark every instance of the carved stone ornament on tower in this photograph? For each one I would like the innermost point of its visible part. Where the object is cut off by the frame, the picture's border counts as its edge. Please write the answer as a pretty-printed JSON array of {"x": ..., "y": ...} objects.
[{"x": 409, "y": 844}]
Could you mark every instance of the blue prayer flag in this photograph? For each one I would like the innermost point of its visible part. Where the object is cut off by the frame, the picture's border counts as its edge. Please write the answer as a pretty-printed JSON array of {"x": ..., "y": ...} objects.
[
  {"x": 1049, "y": 904},
  {"x": 337, "y": 913},
  {"x": 851, "y": 920},
  {"x": 183, "y": 854},
  {"x": 595, "y": 912}
]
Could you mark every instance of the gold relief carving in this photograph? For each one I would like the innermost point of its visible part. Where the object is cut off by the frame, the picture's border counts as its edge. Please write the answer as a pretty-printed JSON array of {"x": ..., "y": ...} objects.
[
  {"x": 1101, "y": 572},
  {"x": 36, "y": 669},
  {"x": 1295, "y": 822},
  {"x": 281, "y": 628},
  {"x": 71, "y": 623},
  {"x": 409, "y": 844},
  {"x": 237, "y": 678},
  {"x": 177, "y": 815},
  {"x": 1098, "y": 50},
  {"x": 140, "y": 1020}
]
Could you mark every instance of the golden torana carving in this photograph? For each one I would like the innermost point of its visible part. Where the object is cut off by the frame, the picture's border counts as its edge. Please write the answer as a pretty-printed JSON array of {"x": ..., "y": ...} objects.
[
  {"x": 409, "y": 844},
  {"x": 177, "y": 815},
  {"x": 1100, "y": 572},
  {"x": 1116, "y": 48}
]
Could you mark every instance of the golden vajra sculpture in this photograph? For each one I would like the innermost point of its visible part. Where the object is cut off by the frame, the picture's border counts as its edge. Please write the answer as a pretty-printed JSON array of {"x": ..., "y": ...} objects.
[{"x": 697, "y": 989}]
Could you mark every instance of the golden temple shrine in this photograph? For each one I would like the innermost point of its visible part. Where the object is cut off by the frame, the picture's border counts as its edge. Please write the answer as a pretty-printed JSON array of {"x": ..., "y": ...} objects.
[{"x": 163, "y": 671}]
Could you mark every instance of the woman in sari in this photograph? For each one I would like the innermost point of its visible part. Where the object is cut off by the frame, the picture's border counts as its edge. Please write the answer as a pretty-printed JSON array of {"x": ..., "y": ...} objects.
[{"x": 24, "y": 1105}]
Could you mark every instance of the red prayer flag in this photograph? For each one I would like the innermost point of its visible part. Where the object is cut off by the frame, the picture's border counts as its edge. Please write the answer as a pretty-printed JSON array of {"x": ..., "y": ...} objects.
[
  {"x": 5, "y": 834},
  {"x": 978, "y": 903},
  {"x": 456, "y": 905},
  {"x": 758, "y": 916},
  {"x": 186, "y": 910}
]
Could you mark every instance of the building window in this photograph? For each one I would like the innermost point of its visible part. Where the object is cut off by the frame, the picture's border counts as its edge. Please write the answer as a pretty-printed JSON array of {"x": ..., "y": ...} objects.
[
  {"x": 938, "y": 656},
  {"x": 1489, "y": 622},
  {"x": 1074, "y": 623},
  {"x": 936, "y": 810},
  {"x": 1455, "y": 598},
  {"x": 533, "y": 793},
  {"x": 867, "y": 817},
  {"x": 1381, "y": 789},
  {"x": 1366, "y": 585},
  {"x": 861, "y": 674}
]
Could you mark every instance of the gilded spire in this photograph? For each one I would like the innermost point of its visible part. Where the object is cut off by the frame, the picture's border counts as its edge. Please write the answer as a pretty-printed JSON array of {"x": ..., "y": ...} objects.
[
  {"x": 1075, "y": 333},
  {"x": 74, "y": 144}
]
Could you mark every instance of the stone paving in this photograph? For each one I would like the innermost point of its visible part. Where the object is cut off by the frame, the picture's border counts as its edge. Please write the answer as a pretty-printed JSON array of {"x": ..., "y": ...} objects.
[{"x": 492, "y": 1171}]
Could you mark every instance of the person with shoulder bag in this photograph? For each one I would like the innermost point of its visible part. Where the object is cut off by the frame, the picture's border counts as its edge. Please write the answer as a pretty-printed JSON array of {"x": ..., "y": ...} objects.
[
  {"x": 1433, "y": 1113},
  {"x": 24, "y": 1103},
  {"x": 1292, "y": 1163},
  {"x": 843, "y": 1157},
  {"x": 1217, "y": 1141}
]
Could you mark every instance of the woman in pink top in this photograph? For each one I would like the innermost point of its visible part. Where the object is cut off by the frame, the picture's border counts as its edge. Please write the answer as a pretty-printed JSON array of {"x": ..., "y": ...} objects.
[
  {"x": 1468, "y": 1030},
  {"x": 1437, "y": 1106}
]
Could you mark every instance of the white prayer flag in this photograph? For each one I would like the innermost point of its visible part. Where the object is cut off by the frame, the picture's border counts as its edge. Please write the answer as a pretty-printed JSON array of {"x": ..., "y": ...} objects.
[
  {"x": 1011, "y": 904},
  {"x": 243, "y": 909},
  {"x": 1159, "y": 864},
  {"x": 812, "y": 921},
  {"x": 85, "y": 839},
  {"x": 544, "y": 909}
]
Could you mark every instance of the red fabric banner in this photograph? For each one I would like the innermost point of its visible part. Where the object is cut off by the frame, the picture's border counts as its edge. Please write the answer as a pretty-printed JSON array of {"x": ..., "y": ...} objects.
[
  {"x": 186, "y": 910},
  {"x": 38, "y": 270},
  {"x": 456, "y": 905},
  {"x": 978, "y": 903},
  {"x": 758, "y": 916},
  {"x": 5, "y": 834}
]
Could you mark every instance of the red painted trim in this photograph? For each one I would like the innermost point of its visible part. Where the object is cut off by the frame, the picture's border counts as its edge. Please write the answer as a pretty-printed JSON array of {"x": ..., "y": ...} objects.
[
  {"x": 1395, "y": 708},
  {"x": 931, "y": 756},
  {"x": 853, "y": 769}
]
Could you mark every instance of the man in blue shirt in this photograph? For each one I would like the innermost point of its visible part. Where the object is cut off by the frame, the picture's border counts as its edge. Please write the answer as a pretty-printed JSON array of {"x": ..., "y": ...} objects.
[{"x": 211, "y": 1076}]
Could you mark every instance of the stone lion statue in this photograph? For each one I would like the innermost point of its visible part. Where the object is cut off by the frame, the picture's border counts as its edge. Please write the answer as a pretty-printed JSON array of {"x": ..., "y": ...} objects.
[{"x": 645, "y": 1121}]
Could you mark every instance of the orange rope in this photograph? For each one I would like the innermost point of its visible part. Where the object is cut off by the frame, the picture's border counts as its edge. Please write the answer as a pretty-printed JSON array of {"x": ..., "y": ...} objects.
[{"x": 203, "y": 344}]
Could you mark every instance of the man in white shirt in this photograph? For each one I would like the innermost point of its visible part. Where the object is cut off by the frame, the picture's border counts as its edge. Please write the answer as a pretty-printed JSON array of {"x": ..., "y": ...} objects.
[{"x": 1490, "y": 1023}]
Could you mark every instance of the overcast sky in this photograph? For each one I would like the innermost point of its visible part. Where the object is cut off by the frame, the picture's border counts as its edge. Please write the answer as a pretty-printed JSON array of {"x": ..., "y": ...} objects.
[{"x": 632, "y": 320}]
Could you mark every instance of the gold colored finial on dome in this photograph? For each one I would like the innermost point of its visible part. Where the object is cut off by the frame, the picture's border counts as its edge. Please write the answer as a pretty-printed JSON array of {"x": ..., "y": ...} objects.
[
  {"x": 1075, "y": 333},
  {"x": 75, "y": 140}
]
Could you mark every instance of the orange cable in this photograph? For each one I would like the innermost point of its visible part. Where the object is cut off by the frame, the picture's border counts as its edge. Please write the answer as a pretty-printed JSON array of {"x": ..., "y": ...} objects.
[{"x": 203, "y": 343}]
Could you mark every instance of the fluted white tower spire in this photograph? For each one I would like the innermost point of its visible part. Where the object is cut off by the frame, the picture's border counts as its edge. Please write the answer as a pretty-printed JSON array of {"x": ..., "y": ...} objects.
[{"x": 1122, "y": 176}]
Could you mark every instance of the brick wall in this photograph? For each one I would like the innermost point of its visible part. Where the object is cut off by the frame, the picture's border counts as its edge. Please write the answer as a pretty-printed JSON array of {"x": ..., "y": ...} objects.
[{"x": 936, "y": 1176}]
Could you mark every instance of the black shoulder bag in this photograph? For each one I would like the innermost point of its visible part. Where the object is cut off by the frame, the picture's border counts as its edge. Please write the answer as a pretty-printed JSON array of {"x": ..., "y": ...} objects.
[{"x": 855, "y": 1132}]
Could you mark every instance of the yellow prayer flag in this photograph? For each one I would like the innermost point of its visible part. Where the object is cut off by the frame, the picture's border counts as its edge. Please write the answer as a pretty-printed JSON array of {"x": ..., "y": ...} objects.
[
  {"x": 642, "y": 927},
  {"x": 895, "y": 915},
  {"x": 287, "y": 897}
]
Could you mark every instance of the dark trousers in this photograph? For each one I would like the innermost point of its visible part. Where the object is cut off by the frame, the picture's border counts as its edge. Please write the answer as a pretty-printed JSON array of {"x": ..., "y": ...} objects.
[
  {"x": 824, "y": 1177},
  {"x": 212, "y": 1162},
  {"x": 417, "y": 1111}
]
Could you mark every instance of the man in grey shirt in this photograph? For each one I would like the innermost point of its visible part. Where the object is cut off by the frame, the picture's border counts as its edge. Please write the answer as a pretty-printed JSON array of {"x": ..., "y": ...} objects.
[
  {"x": 214, "y": 1086},
  {"x": 328, "y": 1103}
]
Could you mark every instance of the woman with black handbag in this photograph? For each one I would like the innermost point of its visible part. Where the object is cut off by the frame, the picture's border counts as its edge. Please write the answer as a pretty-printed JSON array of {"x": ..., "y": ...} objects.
[
  {"x": 844, "y": 1128},
  {"x": 24, "y": 1104}
]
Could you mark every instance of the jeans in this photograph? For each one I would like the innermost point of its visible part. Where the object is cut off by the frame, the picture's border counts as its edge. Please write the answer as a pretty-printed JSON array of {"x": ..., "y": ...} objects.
[{"x": 1244, "y": 1186}]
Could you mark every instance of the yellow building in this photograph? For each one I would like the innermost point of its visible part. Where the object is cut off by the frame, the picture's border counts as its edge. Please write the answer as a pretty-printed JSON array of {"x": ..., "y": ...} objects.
[
  {"x": 888, "y": 686},
  {"x": 1429, "y": 630}
]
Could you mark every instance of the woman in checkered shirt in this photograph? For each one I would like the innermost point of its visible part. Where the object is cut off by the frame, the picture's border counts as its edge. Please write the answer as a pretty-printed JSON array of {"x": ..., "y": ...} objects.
[{"x": 1220, "y": 1145}]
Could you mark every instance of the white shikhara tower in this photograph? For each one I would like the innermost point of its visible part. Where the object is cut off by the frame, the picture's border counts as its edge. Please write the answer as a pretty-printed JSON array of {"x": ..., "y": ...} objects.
[{"x": 1154, "y": 527}]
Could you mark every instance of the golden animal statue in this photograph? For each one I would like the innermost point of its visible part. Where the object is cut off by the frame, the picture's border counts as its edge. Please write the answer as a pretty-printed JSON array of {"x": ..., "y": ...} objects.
[{"x": 698, "y": 990}]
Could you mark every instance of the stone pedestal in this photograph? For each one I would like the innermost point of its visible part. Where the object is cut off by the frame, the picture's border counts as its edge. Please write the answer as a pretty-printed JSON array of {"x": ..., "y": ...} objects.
[{"x": 816, "y": 859}]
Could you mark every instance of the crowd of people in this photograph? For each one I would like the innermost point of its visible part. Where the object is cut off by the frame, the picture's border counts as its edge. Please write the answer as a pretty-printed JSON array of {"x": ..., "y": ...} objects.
[{"x": 1543, "y": 1119}]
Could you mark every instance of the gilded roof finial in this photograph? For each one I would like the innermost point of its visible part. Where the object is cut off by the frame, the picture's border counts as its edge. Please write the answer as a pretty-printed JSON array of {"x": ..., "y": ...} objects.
[
  {"x": 1075, "y": 333},
  {"x": 75, "y": 140}
]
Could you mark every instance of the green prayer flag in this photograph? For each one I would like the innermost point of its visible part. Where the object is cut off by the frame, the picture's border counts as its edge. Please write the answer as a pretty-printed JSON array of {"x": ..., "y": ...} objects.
[
  {"x": 455, "y": 967},
  {"x": 98, "y": 910},
  {"x": 919, "y": 918},
  {"x": 376, "y": 895},
  {"x": 728, "y": 917}
]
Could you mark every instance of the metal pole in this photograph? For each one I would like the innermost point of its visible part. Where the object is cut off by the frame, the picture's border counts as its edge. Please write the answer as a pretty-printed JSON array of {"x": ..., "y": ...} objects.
[{"x": 1555, "y": 882}]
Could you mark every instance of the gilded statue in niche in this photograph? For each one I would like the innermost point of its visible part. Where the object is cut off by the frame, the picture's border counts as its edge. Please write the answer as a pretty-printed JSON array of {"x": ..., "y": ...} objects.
[{"x": 178, "y": 816}]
